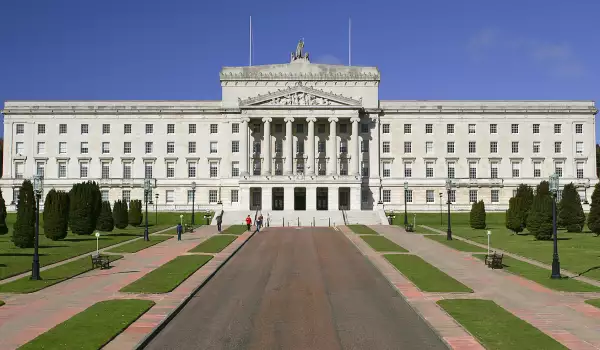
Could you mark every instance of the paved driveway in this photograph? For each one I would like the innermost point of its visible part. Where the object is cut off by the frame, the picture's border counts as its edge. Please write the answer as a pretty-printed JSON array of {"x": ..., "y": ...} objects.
[{"x": 292, "y": 288}]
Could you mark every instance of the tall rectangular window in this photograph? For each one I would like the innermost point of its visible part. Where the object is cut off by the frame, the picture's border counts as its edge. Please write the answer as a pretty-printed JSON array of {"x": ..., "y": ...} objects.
[
  {"x": 235, "y": 169},
  {"x": 493, "y": 146},
  {"x": 472, "y": 147},
  {"x": 429, "y": 169},
  {"x": 385, "y": 128},
  {"x": 83, "y": 149},
  {"x": 41, "y": 147},
  {"x": 83, "y": 169},
  {"x": 493, "y": 128},
  {"x": 149, "y": 128},
  {"x": 170, "y": 170},
  {"x": 495, "y": 196},
  {"x": 536, "y": 128},
  {"x": 514, "y": 128},
  {"x": 536, "y": 146},
  {"x": 127, "y": 170},
  {"x": 514, "y": 146},
  {"x": 170, "y": 147},
  {"x": 451, "y": 170},
  {"x": 471, "y": 128},
  {"x": 235, "y": 128},
  {"x": 62, "y": 128},
  {"x": 213, "y": 147},
  {"x": 40, "y": 168},
  {"x": 429, "y": 128},
  {"x": 407, "y": 147},
  {"x": 106, "y": 128},
  {"x": 409, "y": 196},
  {"x": 169, "y": 196},
  {"x": 558, "y": 168},
  {"x": 557, "y": 128},
  {"x": 494, "y": 170},
  {"x": 191, "y": 128},
  {"x": 429, "y": 196},
  {"x": 126, "y": 196},
  {"x": 19, "y": 147},
  {"x": 213, "y": 169},
  {"x": 85, "y": 129},
  {"x": 579, "y": 128},
  {"x": 235, "y": 146},
  {"x": 170, "y": 128},
  {"x": 386, "y": 147},
  {"x": 450, "y": 147},
  {"x": 537, "y": 169},
  {"x": 557, "y": 147},
  {"x": 19, "y": 169},
  {"x": 387, "y": 196},
  {"x": 214, "y": 128},
  {"x": 148, "y": 147},
  {"x": 407, "y": 169},
  {"x": 579, "y": 147},
  {"x": 105, "y": 147},
  {"x": 516, "y": 169},
  {"x": 407, "y": 128},
  {"x": 192, "y": 147},
  {"x": 148, "y": 170},
  {"x": 235, "y": 195},
  {"x": 579, "y": 169},
  {"x": 472, "y": 170},
  {"x": 450, "y": 128},
  {"x": 387, "y": 169},
  {"x": 126, "y": 128},
  {"x": 105, "y": 170},
  {"x": 429, "y": 147},
  {"x": 62, "y": 170},
  {"x": 62, "y": 147},
  {"x": 472, "y": 196},
  {"x": 41, "y": 128},
  {"x": 192, "y": 170}
]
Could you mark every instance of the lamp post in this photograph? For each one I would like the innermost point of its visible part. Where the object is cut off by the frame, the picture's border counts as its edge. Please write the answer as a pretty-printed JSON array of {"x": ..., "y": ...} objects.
[
  {"x": 156, "y": 209},
  {"x": 193, "y": 200},
  {"x": 181, "y": 219},
  {"x": 38, "y": 188},
  {"x": 405, "y": 215},
  {"x": 147, "y": 189},
  {"x": 441, "y": 210},
  {"x": 555, "y": 260},
  {"x": 448, "y": 189}
]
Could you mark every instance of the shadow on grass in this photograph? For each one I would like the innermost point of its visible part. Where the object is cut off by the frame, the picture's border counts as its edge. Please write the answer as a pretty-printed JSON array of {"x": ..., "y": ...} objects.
[
  {"x": 588, "y": 270},
  {"x": 20, "y": 254},
  {"x": 53, "y": 246},
  {"x": 105, "y": 274}
]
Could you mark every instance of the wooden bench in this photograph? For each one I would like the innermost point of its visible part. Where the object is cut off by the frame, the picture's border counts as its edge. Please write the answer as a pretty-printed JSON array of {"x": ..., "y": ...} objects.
[
  {"x": 409, "y": 228},
  {"x": 101, "y": 261},
  {"x": 494, "y": 260},
  {"x": 188, "y": 228}
]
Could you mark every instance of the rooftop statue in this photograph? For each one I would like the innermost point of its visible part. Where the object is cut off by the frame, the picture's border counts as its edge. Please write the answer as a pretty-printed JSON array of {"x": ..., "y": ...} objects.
[{"x": 299, "y": 54}]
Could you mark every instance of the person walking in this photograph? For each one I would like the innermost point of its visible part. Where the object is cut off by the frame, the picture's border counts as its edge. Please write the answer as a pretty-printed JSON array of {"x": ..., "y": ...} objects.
[
  {"x": 259, "y": 223},
  {"x": 179, "y": 230},
  {"x": 219, "y": 222},
  {"x": 248, "y": 222}
]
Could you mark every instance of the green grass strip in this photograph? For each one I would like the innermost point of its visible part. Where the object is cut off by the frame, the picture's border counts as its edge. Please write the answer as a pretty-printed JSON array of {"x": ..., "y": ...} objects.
[
  {"x": 456, "y": 244},
  {"x": 593, "y": 302},
  {"x": 495, "y": 328},
  {"x": 425, "y": 276},
  {"x": 362, "y": 230},
  {"x": 92, "y": 328},
  {"x": 542, "y": 276},
  {"x": 138, "y": 245},
  {"x": 167, "y": 277},
  {"x": 52, "y": 276},
  {"x": 214, "y": 244},
  {"x": 235, "y": 230},
  {"x": 382, "y": 244}
]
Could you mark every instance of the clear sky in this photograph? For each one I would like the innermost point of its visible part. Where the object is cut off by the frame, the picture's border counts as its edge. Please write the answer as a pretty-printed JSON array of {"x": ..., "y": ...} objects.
[{"x": 174, "y": 49}]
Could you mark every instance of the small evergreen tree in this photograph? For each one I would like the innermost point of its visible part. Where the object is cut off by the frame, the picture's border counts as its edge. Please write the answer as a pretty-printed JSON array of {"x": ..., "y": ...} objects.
[
  {"x": 120, "y": 214},
  {"x": 571, "y": 215},
  {"x": 24, "y": 228},
  {"x": 96, "y": 202},
  {"x": 56, "y": 215},
  {"x": 106, "y": 222},
  {"x": 539, "y": 221},
  {"x": 85, "y": 203},
  {"x": 543, "y": 188},
  {"x": 3, "y": 227},
  {"x": 135, "y": 212},
  {"x": 593, "y": 219},
  {"x": 477, "y": 218},
  {"x": 515, "y": 215},
  {"x": 525, "y": 192}
]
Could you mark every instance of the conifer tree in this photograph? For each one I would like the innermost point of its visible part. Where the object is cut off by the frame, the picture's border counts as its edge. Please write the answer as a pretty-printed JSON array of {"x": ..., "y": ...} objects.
[
  {"x": 571, "y": 215},
  {"x": 593, "y": 218},
  {"x": 135, "y": 212},
  {"x": 515, "y": 215},
  {"x": 477, "y": 218},
  {"x": 56, "y": 215},
  {"x": 3, "y": 214},
  {"x": 539, "y": 220},
  {"x": 106, "y": 222},
  {"x": 525, "y": 192},
  {"x": 84, "y": 208},
  {"x": 120, "y": 214},
  {"x": 24, "y": 228}
]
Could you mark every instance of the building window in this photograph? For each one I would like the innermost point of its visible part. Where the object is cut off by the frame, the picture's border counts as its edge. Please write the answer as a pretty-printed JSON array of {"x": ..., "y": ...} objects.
[
  {"x": 149, "y": 128},
  {"x": 452, "y": 196},
  {"x": 579, "y": 128},
  {"x": 429, "y": 147},
  {"x": 105, "y": 170},
  {"x": 106, "y": 128},
  {"x": 407, "y": 147},
  {"x": 170, "y": 128},
  {"x": 126, "y": 196},
  {"x": 300, "y": 146},
  {"x": 235, "y": 196},
  {"x": 235, "y": 128},
  {"x": 557, "y": 128},
  {"x": 104, "y": 195},
  {"x": 557, "y": 147},
  {"x": 386, "y": 147},
  {"x": 407, "y": 169},
  {"x": 536, "y": 128},
  {"x": 299, "y": 128},
  {"x": 343, "y": 166},
  {"x": 579, "y": 170},
  {"x": 430, "y": 196},
  {"x": 169, "y": 196},
  {"x": 300, "y": 166},
  {"x": 493, "y": 128},
  {"x": 387, "y": 169},
  {"x": 235, "y": 146},
  {"x": 450, "y": 128},
  {"x": 579, "y": 147},
  {"x": 536, "y": 146},
  {"x": 83, "y": 169},
  {"x": 385, "y": 128},
  {"x": 213, "y": 170},
  {"x": 279, "y": 146},
  {"x": 85, "y": 128},
  {"x": 364, "y": 146},
  {"x": 494, "y": 147},
  {"x": 472, "y": 196},
  {"x": 472, "y": 147},
  {"x": 41, "y": 128},
  {"x": 127, "y": 129},
  {"x": 191, "y": 128},
  {"x": 235, "y": 169},
  {"x": 364, "y": 168},
  {"x": 214, "y": 128},
  {"x": 343, "y": 146},
  {"x": 364, "y": 128},
  {"x": 494, "y": 170},
  {"x": 62, "y": 170},
  {"x": 105, "y": 147},
  {"x": 429, "y": 169},
  {"x": 495, "y": 196},
  {"x": 127, "y": 170},
  {"x": 279, "y": 128},
  {"x": 472, "y": 170},
  {"x": 40, "y": 167},
  {"x": 450, "y": 147},
  {"x": 256, "y": 147},
  {"x": 148, "y": 170},
  {"x": 212, "y": 196},
  {"x": 471, "y": 128},
  {"x": 170, "y": 170},
  {"x": 62, "y": 129},
  {"x": 83, "y": 149},
  {"x": 322, "y": 167},
  {"x": 20, "y": 147},
  {"x": 321, "y": 146},
  {"x": 192, "y": 170},
  {"x": 19, "y": 168},
  {"x": 451, "y": 170},
  {"x": 190, "y": 196},
  {"x": 170, "y": 147},
  {"x": 192, "y": 147},
  {"x": 148, "y": 147},
  {"x": 514, "y": 147},
  {"x": 409, "y": 196},
  {"x": 516, "y": 169},
  {"x": 537, "y": 169},
  {"x": 558, "y": 168},
  {"x": 127, "y": 147},
  {"x": 514, "y": 128},
  {"x": 407, "y": 128},
  {"x": 387, "y": 196},
  {"x": 256, "y": 128},
  {"x": 213, "y": 147},
  {"x": 41, "y": 147},
  {"x": 320, "y": 128},
  {"x": 429, "y": 128}
]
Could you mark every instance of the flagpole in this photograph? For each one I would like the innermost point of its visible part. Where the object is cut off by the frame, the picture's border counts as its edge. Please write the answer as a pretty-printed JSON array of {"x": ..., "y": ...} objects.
[
  {"x": 349, "y": 41},
  {"x": 250, "y": 41}
]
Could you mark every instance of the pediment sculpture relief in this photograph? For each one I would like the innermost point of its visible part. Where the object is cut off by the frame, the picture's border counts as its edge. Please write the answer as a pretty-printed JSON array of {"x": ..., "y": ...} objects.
[{"x": 300, "y": 99}]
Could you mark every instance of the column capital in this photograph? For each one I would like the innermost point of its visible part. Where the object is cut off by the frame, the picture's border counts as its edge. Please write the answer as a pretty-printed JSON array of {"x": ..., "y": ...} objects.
[
  {"x": 288, "y": 119},
  {"x": 267, "y": 119},
  {"x": 333, "y": 120},
  {"x": 311, "y": 119},
  {"x": 246, "y": 120},
  {"x": 354, "y": 119}
]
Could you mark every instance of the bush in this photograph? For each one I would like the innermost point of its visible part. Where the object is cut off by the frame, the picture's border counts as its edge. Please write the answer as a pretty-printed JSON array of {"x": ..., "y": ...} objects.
[
  {"x": 593, "y": 219},
  {"x": 477, "y": 219},
  {"x": 106, "y": 222},
  {"x": 515, "y": 215},
  {"x": 24, "y": 228},
  {"x": 135, "y": 212},
  {"x": 3, "y": 227},
  {"x": 543, "y": 188},
  {"x": 84, "y": 209},
  {"x": 120, "y": 214},
  {"x": 570, "y": 215},
  {"x": 525, "y": 193},
  {"x": 539, "y": 220},
  {"x": 56, "y": 215}
]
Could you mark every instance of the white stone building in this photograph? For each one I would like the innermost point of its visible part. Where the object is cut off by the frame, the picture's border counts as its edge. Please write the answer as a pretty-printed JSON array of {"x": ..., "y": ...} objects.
[{"x": 301, "y": 136}]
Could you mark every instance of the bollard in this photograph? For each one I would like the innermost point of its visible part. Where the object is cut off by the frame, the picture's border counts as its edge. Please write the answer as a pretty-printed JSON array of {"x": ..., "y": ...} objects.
[
  {"x": 282, "y": 222},
  {"x": 298, "y": 222},
  {"x": 314, "y": 222},
  {"x": 329, "y": 224}
]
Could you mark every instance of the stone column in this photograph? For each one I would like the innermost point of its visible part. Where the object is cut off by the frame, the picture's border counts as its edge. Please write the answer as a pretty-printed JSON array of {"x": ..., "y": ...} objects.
[
  {"x": 244, "y": 146},
  {"x": 289, "y": 146},
  {"x": 266, "y": 170},
  {"x": 332, "y": 149},
  {"x": 355, "y": 158},
  {"x": 311, "y": 145}
]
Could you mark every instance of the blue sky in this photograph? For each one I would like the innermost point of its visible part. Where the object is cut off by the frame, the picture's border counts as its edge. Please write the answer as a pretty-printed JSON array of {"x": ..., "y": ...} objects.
[{"x": 426, "y": 49}]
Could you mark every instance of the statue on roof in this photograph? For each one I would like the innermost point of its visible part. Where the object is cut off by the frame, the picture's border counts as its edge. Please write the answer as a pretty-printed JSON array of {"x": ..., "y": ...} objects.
[{"x": 299, "y": 54}]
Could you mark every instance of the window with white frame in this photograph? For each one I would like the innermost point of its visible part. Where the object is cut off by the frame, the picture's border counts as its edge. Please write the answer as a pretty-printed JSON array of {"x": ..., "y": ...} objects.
[
  {"x": 84, "y": 148},
  {"x": 514, "y": 128},
  {"x": 256, "y": 147},
  {"x": 557, "y": 147},
  {"x": 169, "y": 196},
  {"x": 430, "y": 196},
  {"x": 41, "y": 128},
  {"x": 387, "y": 169},
  {"x": 451, "y": 170},
  {"x": 343, "y": 146},
  {"x": 170, "y": 128},
  {"x": 471, "y": 128},
  {"x": 558, "y": 168},
  {"x": 84, "y": 169},
  {"x": 213, "y": 147},
  {"x": 364, "y": 168},
  {"x": 192, "y": 147},
  {"x": 170, "y": 170},
  {"x": 213, "y": 196},
  {"x": 494, "y": 170},
  {"x": 493, "y": 146},
  {"x": 536, "y": 128},
  {"x": 279, "y": 167},
  {"x": 516, "y": 169},
  {"x": 170, "y": 147},
  {"x": 321, "y": 146},
  {"x": 19, "y": 147},
  {"x": 428, "y": 169},
  {"x": 386, "y": 147},
  {"x": 85, "y": 128},
  {"x": 579, "y": 147},
  {"x": 105, "y": 170},
  {"x": 407, "y": 147},
  {"x": 299, "y": 146},
  {"x": 429, "y": 147},
  {"x": 472, "y": 170},
  {"x": 190, "y": 196},
  {"x": 429, "y": 128},
  {"x": 126, "y": 128},
  {"x": 407, "y": 128},
  {"x": 472, "y": 147},
  {"x": 385, "y": 128},
  {"x": 409, "y": 196},
  {"x": 579, "y": 170},
  {"x": 148, "y": 170},
  {"x": 364, "y": 146},
  {"x": 19, "y": 168},
  {"x": 213, "y": 169},
  {"x": 472, "y": 196},
  {"x": 537, "y": 169},
  {"x": 62, "y": 128},
  {"x": 235, "y": 128},
  {"x": 343, "y": 166},
  {"x": 536, "y": 146},
  {"x": 452, "y": 196},
  {"x": 40, "y": 168},
  {"x": 322, "y": 167},
  {"x": 62, "y": 147},
  {"x": 106, "y": 128},
  {"x": 235, "y": 195},
  {"x": 127, "y": 170},
  {"x": 514, "y": 146},
  {"x": 235, "y": 146},
  {"x": 449, "y": 128},
  {"x": 493, "y": 128},
  {"x": 41, "y": 147},
  {"x": 579, "y": 128},
  {"x": 149, "y": 128},
  {"x": 214, "y": 128},
  {"x": 104, "y": 195},
  {"x": 279, "y": 146},
  {"x": 148, "y": 147},
  {"x": 235, "y": 169},
  {"x": 557, "y": 128},
  {"x": 450, "y": 147},
  {"x": 407, "y": 169},
  {"x": 495, "y": 196},
  {"x": 191, "y": 128},
  {"x": 105, "y": 147},
  {"x": 192, "y": 170},
  {"x": 387, "y": 196},
  {"x": 62, "y": 170},
  {"x": 126, "y": 196}
]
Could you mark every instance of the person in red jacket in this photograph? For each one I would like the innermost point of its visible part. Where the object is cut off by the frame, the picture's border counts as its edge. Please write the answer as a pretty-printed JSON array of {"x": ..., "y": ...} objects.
[{"x": 248, "y": 222}]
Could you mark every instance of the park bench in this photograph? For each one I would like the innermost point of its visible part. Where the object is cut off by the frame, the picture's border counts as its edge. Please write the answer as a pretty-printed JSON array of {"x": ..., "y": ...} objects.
[
  {"x": 101, "y": 261},
  {"x": 188, "y": 228},
  {"x": 494, "y": 260},
  {"x": 409, "y": 228}
]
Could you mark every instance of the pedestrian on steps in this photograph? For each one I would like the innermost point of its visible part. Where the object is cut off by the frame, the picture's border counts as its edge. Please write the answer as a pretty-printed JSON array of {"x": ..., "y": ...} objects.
[
  {"x": 248, "y": 222},
  {"x": 259, "y": 222},
  {"x": 219, "y": 222}
]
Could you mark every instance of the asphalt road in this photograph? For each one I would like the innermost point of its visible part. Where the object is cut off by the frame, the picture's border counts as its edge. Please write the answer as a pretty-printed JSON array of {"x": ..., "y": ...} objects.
[{"x": 291, "y": 288}]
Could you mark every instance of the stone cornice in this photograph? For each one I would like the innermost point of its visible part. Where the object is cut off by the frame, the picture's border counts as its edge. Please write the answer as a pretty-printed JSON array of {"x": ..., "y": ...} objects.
[
  {"x": 309, "y": 76},
  {"x": 531, "y": 110},
  {"x": 337, "y": 98}
]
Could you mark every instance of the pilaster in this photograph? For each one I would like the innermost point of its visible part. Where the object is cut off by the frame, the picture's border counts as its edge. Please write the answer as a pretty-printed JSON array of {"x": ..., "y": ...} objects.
[{"x": 311, "y": 198}]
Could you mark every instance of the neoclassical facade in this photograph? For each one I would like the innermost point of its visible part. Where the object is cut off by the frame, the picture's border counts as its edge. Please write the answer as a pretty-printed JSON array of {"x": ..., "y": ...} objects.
[{"x": 301, "y": 136}]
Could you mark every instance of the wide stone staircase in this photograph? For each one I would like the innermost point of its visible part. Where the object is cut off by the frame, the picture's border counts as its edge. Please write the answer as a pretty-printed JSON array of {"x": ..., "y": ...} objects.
[
  {"x": 278, "y": 218},
  {"x": 365, "y": 217}
]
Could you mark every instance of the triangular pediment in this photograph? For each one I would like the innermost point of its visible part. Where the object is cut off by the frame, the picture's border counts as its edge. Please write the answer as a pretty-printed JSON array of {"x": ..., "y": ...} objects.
[{"x": 300, "y": 96}]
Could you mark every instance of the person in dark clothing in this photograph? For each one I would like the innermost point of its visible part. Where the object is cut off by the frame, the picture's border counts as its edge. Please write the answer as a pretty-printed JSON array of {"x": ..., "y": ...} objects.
[
  {"x": 219, "y": 222},
  {"x": 179, "y": 231}
]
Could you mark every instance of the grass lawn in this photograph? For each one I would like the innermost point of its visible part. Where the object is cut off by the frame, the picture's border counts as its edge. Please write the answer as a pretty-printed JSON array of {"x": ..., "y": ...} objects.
[
  {"x": 51, "y": 276},
  {"x": 14, "y": 261},
  {"x": 214, "y": 244},
  {"x": 497, "y": 328},
  {"x": 362, "y": 230},
  {"x": 382, "y": 244},
  {"x": 235, "y": 230},
  {"x": 425, "y": 276},
  {"x": 92, "y": 328},
  {"x": 456, "y": 244},
  {"x": 138, "y": 245},
  {"x": 167, "y": 277},
  {"x": 593, "y": 302},
  {"x": 542, "y": 276}
]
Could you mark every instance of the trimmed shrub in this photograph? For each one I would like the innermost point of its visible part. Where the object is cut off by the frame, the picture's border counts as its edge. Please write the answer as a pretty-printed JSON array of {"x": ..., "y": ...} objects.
[
  {"x": 539, "y": 221},
  {"x": 570, "y": 215},
  {"x": 56, "y": 215},
  {"x": 135, "y": 212},
  {"x": 120, "y": 214},
  {"x": 24, "y": 228},
  {"x": 593, "y": 218},
  {"x": 106, "y": 222},
  {"x": 525, "y": 192},
  {"x": 84, "y": 209},
  {"x": 3, "y": 226},
  {"x": 543, "y": 189},
  {"x": 515, "y": 215},
  {"x": 477, "y": 218}
]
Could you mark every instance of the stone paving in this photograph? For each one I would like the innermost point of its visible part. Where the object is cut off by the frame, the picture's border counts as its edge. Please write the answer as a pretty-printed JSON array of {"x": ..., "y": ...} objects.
[
  {"x": 563, "y": 316},
  {"x": 25, "y": 316}
]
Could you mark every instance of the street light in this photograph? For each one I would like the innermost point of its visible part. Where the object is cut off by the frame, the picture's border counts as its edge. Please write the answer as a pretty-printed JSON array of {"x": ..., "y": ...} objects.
[
  {"x": 38, "y": 188},
  {"x": 147, "y": 189},
  {"x": 405, "y": 191},
  {"x": 555, "y": 261},
  {"x": 441, "y": 210},
  {"x": 448, "y": 189},
  {"x": 156, "y": 209},
  {"x": 193, "y": 200}
]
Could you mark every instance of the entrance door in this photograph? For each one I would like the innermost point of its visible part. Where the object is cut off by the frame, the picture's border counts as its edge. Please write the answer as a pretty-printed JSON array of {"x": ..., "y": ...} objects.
[
  {"x": 300, "y": 198},
  {"x": 322, "y": 198},
  {"x": 344, "y": 198},
  {"x": 255, "y": 198},
  {"x": 278, "y": 198}
]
